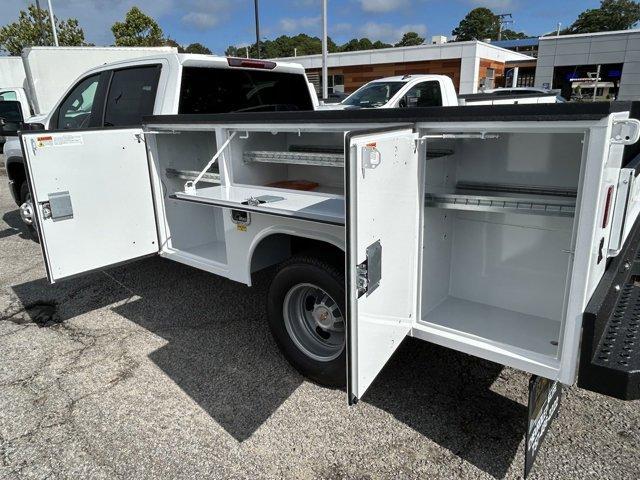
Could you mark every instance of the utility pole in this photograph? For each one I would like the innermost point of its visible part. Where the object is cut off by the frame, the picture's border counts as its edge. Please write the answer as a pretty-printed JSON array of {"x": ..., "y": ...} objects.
[
  {"x": 53, "y": 24},
  {"x": 40, "y": 25},
  {"x": 325, "y": 74},
  {"x": 255, "y": 2},
  {"x": 502, "y": 20},
  {"x": 595, "y": 87}
]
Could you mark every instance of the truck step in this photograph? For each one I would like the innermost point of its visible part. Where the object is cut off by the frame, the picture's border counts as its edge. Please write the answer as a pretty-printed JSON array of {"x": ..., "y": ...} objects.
[{"x": 610, "y": 357}]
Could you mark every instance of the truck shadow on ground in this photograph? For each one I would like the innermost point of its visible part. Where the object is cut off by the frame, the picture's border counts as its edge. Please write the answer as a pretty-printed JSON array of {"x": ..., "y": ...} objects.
[
  {"x": 219, "y": 351},
  {"x": 16, "y": 225}
]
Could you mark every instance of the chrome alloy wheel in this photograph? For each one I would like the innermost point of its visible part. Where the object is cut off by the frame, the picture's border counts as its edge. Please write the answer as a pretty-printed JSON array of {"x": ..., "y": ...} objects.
[
  {"x": 26, "y": 211},
  {"x": 314, "y": 322}
]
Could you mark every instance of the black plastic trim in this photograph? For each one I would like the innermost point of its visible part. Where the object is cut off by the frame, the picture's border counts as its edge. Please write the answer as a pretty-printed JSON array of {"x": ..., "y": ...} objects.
[{"x": 501, "y": 113}]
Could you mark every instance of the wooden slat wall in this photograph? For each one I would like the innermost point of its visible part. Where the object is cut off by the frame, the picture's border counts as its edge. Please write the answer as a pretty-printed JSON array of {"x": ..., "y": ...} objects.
[
  {"x": 358, "y": 75},
  {"x": 499, "y": 71}
]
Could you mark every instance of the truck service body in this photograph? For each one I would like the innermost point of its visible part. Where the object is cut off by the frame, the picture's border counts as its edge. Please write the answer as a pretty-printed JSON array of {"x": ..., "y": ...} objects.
[
  {"x": 456, "y": 229},
  {"x": 506, "y": 232}
]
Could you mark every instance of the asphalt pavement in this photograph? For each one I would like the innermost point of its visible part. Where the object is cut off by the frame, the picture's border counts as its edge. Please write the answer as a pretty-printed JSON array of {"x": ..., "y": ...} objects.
[{"x": 158, "y": 370}]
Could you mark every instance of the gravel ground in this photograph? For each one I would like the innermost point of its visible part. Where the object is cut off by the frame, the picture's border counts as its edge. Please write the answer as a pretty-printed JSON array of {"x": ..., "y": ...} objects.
[{"x": 157, "y": 370}]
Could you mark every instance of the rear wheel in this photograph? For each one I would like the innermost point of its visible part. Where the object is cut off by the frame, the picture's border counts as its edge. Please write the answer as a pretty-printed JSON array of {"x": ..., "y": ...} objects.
[
  {"x": 27, "y": 212},
  {"x": 306, "y": 316}
]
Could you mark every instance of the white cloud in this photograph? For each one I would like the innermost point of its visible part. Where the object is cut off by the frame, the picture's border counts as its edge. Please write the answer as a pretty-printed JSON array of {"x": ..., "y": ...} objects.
[
  {"x": 297, "y": 25},
  {"x": 390, "y": 33},
  {"x": 380, "y": 6},
  {"x": 201, "y": 20}
]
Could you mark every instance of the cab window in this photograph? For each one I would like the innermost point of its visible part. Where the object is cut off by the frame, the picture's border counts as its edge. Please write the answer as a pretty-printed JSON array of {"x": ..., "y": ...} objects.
[
  {"x": 132, "y": 94},
  {"x": 425, "y": 94},
  {"x": 8, "y": 95},
  {"x": 75, "y": 111}
]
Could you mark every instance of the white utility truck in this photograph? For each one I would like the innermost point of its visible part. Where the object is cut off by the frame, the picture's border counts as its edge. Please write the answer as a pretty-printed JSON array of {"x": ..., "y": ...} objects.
[
  {"x": 487, "y": 230},
  {"x": 119, "y": 94},
  {"x": 426, "y": 90}
]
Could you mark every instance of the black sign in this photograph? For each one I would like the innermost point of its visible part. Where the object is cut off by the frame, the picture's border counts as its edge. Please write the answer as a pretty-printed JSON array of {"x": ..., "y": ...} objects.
[{"x": 544, "y": 403}]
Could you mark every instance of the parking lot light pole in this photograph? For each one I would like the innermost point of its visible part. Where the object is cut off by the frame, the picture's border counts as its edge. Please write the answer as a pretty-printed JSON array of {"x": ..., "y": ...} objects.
[
  {"x": 325, "y": 80},
  {"x": 53, "y": 24}
]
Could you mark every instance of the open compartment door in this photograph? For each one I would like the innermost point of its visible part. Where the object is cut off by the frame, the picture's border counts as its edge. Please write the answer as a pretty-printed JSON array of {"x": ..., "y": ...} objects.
[
  {"x": 382, "y": 227},
  {"x": 92, "y": 198}
]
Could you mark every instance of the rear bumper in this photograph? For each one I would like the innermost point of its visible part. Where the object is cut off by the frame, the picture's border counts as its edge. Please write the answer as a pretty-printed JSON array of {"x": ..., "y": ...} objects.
[{"x": 610, "y": 351}]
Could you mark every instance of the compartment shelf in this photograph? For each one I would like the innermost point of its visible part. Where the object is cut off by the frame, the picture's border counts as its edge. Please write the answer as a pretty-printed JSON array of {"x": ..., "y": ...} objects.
[
  {"x": 485, "y": 197},
  {"x": 319, "y": 207},
  {"x": 317, "y": 156},
  {"x": 323, "y": 159},
  {"x": 497, "y": 325}
]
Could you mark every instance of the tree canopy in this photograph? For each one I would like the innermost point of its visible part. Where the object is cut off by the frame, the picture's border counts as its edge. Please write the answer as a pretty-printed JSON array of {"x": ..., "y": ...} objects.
[
  {"x": 409, "y": 39},
  {"x": 33, "y": 27},
  {"x": 138, "y": 30},
  {"x": 303, "y": 44},
  {"x": 611, "y": 15},
  {"x": 197, "y": 48},
  {"x": 481, "y": 23}
]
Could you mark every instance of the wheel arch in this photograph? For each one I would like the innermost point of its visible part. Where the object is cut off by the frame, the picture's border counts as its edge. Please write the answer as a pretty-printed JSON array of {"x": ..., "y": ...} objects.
[
  {"x": 16, "y": 174},
  {"x": 287, "y": 242}
]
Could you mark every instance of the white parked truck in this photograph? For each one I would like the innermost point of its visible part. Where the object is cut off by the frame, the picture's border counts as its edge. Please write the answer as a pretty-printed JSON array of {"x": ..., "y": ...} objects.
[
  {"x": 504, "y": 232},
  {"x": 119, "y": 94},
  {"x": 422, "y": 90}
]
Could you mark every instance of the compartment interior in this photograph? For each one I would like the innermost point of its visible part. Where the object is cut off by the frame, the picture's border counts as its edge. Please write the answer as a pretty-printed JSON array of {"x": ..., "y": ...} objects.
[
  {"x": 192, "y": 228},
  {"x": 498, "y": 229},
  {"x": 296, "y": 174}
]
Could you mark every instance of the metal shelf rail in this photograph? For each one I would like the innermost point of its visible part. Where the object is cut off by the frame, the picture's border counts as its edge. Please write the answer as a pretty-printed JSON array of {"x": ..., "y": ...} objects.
[{"x": 484, "y": 197}]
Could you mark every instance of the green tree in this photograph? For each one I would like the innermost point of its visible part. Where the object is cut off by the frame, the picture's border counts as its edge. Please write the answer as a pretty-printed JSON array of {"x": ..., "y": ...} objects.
[
  {"x": 410, "y": 39},
  {"x": 137, "y": 30},
  {"x": 33, "y": 27},
  {"x": 478, "y": 24},
  {"x": 612, "y": 15},
  {"x": 481, "y": 23},
  {"x": 378, "y": 44},
  {"x": 197, "y": 48}
]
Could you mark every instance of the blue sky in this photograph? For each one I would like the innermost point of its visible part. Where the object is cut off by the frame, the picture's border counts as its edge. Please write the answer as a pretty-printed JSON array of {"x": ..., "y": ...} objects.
[{"x": 219, "y": 23}]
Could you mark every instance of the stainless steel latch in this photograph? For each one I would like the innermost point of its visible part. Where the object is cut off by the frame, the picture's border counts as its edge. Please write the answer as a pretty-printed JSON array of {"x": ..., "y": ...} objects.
[
  {"x": 58, "y": 207},
  {"x": 371, "y": 158},
  {"x": 369, "y": 272}
]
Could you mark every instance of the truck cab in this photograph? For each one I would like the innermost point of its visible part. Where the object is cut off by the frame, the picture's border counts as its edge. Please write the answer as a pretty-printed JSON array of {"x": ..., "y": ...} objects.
[
  {"x": 120, "y": 94},
  {"x": 403, "y": 91}
]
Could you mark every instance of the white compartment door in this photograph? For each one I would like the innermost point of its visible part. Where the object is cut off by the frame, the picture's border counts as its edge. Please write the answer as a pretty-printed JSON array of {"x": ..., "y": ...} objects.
[
  {"x": 382, "y": 226},
  {"x": 92, "y": 197}
]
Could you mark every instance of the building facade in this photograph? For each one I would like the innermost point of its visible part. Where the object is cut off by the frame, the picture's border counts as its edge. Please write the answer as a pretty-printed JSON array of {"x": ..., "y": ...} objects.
[
  {"x": 600, "y": 66},
  {"x": 471, "y": 65}
]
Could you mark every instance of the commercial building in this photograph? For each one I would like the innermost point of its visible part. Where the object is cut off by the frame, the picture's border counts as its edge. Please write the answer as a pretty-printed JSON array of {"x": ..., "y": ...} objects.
[
  {"x": 571, "y": 63},
  {"x": 471, "y": 65}
]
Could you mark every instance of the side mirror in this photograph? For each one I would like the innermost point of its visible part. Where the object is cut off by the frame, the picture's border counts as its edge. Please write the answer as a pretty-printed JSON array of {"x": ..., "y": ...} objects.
[{"x": 11, "y": 118}]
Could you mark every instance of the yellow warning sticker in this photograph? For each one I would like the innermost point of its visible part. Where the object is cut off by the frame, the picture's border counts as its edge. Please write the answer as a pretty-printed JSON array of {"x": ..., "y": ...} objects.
[{"x": 241, "y": 228}]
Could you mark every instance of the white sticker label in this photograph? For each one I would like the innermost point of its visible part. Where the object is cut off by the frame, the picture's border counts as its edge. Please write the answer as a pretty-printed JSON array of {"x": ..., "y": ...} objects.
[{"x": 69, "y": 139}]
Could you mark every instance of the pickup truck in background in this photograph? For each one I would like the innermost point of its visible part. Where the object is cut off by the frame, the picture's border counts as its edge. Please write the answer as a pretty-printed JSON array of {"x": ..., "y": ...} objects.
[
  {"x": 120, "y": 94},
  {"x": 409, "y": 91}
]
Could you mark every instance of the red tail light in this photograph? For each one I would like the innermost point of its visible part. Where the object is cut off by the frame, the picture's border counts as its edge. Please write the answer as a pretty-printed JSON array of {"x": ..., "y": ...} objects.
[
  {"x": 607, "y": 207},
  {"x": 251, "y": 63}
]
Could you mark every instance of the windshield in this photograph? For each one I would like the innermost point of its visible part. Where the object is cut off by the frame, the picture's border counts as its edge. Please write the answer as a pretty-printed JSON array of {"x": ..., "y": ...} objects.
[
  {"x": 8, "y": 95},
  {"x": 373, "y": 94},
  {"x": 217, "y": 90}
]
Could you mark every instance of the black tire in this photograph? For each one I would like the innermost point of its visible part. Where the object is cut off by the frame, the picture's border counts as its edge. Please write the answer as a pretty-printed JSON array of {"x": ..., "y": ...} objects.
[
  {"x": 25, "y": 195},
  {"x": 296, "y": 272}
]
